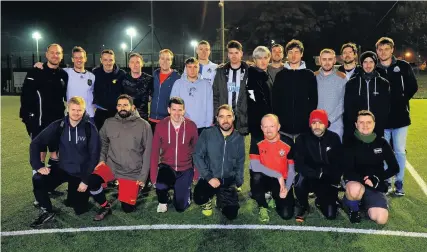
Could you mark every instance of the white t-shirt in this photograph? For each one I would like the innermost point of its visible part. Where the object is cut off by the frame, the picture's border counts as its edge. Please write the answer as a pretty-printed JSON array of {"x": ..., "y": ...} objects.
[{"x": 81, "y": 84}]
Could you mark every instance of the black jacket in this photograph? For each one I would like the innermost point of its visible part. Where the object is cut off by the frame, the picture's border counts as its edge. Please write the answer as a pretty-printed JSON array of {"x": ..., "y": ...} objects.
[
  {"x": 140, "y": 90},
  {"x": 403, "y": 86},
  {"x": 220, "y": 95},
  {"x": 294, "y": 97},
  {"x": 43, "y": 95},
  {"x": 367, "y": 159},
  {"x": 259, "y": 99},
  {"x": 357, "y": 70},
  {"x": 319, "y": 157},
  {"x": 108, "y": 87},
  {"x": 373, "y": 96},
  {"x": 216, "y": 157}
]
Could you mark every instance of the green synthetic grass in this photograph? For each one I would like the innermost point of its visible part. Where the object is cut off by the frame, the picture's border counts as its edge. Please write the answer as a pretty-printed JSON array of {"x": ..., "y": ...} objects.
[
  {"x": 422, "y": 87},
  {"x": 406, "y": 213}
]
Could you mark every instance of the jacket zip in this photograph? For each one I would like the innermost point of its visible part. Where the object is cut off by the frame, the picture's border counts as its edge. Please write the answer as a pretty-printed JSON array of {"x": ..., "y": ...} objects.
[
  {"x": 321, "y": 158},
  {"x": 367, "y": 94},
  {"x": 176, "y": 151},
  {"x": 223, "y": 156},
  {"x": 40, "y": 107},
  {"x": 403, "y": 86}
]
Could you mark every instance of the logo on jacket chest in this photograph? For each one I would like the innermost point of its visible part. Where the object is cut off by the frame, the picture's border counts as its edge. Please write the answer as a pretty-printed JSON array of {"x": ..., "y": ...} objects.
[
  {"x": 282, "y": 153},
  {"x": 378, "y": 150},
  {"x": 81, "y": 139},
  {"x": 89, "y": 82}
]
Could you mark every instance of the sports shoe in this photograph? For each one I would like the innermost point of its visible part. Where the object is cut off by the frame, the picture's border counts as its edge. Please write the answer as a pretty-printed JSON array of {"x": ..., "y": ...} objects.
[
  {"x": 162, "y": 208},
  {"x": 55, "y": 194},
  {"x": 301, "y": 213},
  {"x": 102, "y": 213},
  {"x": 399, "y": 188},
  {"x": 354, "y": 216},
  {"x": 389, "y": 189},
  {"x": 311, "y": 195},
  {"x": 44, "y": 217},
  {"x": 207, "y": 208},
  {"x": 36, "y": 204},
  {"x": 271, "y": 203},
  {"x": 263, "y": 214}
]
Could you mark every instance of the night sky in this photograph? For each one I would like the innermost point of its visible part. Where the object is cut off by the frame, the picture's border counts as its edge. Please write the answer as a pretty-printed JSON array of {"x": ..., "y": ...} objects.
[{"x": 93, "y": 24}]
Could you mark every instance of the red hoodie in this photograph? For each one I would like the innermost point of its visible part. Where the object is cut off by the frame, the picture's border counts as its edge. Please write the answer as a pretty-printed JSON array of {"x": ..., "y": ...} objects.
[{"x": 176, "y": 148}]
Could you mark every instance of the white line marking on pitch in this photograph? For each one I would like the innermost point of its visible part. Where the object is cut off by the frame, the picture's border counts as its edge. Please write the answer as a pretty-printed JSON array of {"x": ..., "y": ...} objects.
[
  {"x": 222, "y": 227},
  {"x": 417, "y": 177}
]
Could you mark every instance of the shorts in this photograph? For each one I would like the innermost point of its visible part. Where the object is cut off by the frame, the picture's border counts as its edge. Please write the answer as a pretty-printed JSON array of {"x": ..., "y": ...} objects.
[{"x": 373, "y": 198}]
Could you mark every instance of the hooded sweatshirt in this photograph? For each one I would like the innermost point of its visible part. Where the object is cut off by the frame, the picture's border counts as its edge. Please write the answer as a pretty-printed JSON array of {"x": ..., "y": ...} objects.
[
  {"x": 331, "y": 90},
  {"x": 294, "y": 97},
  {"x": 126, "y": 146},
  {"x": 108, "y": 87},
  {"x": 173, "y": 146},
  {"x": 207, "y": 72},
  {"x": 78, "y": 157},
  {"x": 198, "y": 100},
  {"x": 81, "y": 84}
]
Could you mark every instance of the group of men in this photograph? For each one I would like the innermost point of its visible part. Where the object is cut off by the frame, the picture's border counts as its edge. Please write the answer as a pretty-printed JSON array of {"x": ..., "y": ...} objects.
[{"x": 195, "y": 130}]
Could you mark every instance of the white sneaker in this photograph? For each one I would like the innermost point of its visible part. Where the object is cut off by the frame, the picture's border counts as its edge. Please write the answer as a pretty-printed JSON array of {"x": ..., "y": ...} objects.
[{"x": 162, "y": 208}]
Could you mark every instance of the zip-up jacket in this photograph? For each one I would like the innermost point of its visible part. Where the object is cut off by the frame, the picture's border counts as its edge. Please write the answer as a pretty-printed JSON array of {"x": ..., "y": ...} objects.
[
  {"x": 220, "y": 95},
  {"x": 108, "y": 87},
  {"x": 140, "y": 89},
  {"x": 78, "y": 157},
  {"x": 373, "y": 95},
  {"x": 319, "y": 157},
  {"x": 43, "y": 95},
  {"x": 294, "y": 97},
  {"x": 403, "y": 86},
  {"x": 356, "y": 70},
  {"x": 161, "y": 94},
  {"x": 126, "y": 146},
  {"x": 219, "y": 157},
  {"x": 174, "y": 148},
  {"x": 367, "y": 159}
]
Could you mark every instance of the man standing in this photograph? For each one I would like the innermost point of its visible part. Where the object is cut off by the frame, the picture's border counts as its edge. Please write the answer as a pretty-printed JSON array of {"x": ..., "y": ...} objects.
[
  {"x": 230, "y": 86},
  {"x": 174, "y": 141},
  {"x": 277, "y": 54},
  {"x": 197, "y": 93},
  {"x": 349, "y": 56},
  {"x": 138, "y": 85},
  {"x": 125, "y": 156},
  {"x": 403, "y": 86},
  {"x": 366, "y": 91},
  {"x": 331, "y": 90},
  {"x": 164, "y": 79},
  {"x": 220, "y": 157},
  {"x": 108, "y": 87},
  {"x": 364, "y": 157},
  {"x": 207, "y": 69},
  {"x": 272, "y": 169},
  {"x": 78, "y": 144},
  {"x": 317, "y": 162},
  {"x": 294, "y": 92}
]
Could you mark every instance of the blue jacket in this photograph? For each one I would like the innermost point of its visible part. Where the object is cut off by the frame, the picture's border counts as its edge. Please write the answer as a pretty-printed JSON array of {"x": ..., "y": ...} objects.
[
  {"x": 77, "y": 156},
  {"x": 161, "y": 93}
]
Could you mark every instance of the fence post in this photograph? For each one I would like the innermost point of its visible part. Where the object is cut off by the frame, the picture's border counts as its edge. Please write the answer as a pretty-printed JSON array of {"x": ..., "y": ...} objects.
[
  {"x": 93, "y": 57},
  {"x": 33, "y": 57}
]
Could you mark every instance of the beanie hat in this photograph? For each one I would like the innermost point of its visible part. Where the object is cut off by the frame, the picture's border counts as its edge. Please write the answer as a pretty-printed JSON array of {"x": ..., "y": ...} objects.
[
  {"x": 369, "y": 54},
  {"x": 319, "y": 115}
]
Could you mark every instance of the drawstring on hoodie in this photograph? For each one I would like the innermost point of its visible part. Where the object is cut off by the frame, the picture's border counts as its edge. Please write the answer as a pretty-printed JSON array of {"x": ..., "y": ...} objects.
[
  {"x": 69, "y": 134},
  {"x": 375, "y": 89},
  {"x": 76, "y": 133},
  {"x": 169, "y": 132},
  {"x": 360, "y": 84}
]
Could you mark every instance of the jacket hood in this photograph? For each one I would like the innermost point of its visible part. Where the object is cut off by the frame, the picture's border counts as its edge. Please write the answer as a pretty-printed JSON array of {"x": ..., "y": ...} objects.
[
  {"x": 157, "y": 72},
  {"x": 322, "y": 73},
  {"x": 393, "y": 62},
  {"x": 116, "y": 69},
  {"x": 133, "y": 116},
  {"x": 302, "y": 65}
]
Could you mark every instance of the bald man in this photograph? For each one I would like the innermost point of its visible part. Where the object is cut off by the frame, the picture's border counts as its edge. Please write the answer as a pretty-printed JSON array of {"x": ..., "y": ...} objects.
[{"x": 272, "y": 169}]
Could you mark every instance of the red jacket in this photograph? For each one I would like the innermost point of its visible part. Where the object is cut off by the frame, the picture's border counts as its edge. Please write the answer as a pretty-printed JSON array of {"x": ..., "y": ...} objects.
[{"x": 176, "y": 148}]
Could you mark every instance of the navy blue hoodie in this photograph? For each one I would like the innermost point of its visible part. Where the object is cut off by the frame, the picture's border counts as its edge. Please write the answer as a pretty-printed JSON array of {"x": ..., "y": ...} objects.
[
  {"x": 77, "y": 157},
  {"x": 108, "y": 86},
  {"x": 161, "y": 93}
]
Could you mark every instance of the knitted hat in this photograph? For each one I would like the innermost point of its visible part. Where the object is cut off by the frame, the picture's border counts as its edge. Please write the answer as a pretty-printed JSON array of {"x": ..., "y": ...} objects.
[
  {"x": 369, "y": 54},
  {"x": 319, "y": 115}
]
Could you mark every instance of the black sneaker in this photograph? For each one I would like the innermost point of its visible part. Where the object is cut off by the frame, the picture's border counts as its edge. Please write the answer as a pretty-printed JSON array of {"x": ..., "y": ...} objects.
[
  {"x": 354, "y": 216},
  {"x": 301, "y": 213},
  {"x": 102, "y": 213},
  {"x": 55, "y": 194},
  {"x": 44, "y": 217}
]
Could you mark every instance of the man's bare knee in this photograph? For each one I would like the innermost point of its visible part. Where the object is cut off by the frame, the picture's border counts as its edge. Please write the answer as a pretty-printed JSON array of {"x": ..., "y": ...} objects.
[
  {"x": 379, "y": 215},
  {"x": 354, "y": 190}
]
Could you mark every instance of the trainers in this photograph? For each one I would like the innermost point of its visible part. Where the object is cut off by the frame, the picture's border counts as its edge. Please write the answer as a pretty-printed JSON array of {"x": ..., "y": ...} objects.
[
  {"x": 399, "y": 188},
  {"x": 36, "y": 204},
  {"x": 389, "y": 189},
  {"x": 311, "y": 195},
  {"x": 207, "y": 208},
  {"x": 102, "y": 213},
  {"x": 301, "y": 213},
  {"x": 263, "y": 214},
  {"x": 354, "y": 216},
  {"x": 271, "y": 203},
  {"x": 44, "y": 217},
  {"x": 162, "y": 208},
  {"x": 55, "y": 194}
]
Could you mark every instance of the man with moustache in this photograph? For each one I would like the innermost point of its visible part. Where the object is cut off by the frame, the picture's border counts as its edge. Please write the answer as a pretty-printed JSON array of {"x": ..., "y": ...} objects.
[
  {"x": 277, "y": 54},
  {"x": 331, "y": 89},
  {"x": 108, "y": 87},
  {"x": 349, "y": 56},
  {"x": 207, "y": 69},
  {"x": 220, "y": 157},
  {"x": 125, "y": 156}
]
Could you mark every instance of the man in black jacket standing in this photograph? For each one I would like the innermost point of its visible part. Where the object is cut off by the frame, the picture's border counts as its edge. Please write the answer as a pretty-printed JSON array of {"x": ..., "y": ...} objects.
[
  {"x": 364, "y": 157},
  {"x": 220, "y": 158},
  {"x": 294, "y": 92},
  {"x": 317, "y": 164},
  {"x": 403, "y": 86}
]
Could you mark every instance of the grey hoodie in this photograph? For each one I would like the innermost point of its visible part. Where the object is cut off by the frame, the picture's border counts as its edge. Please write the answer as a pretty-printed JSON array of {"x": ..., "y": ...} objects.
[
  {"x": 301, "y": 66},
  {"x": 126, "y": 146}
]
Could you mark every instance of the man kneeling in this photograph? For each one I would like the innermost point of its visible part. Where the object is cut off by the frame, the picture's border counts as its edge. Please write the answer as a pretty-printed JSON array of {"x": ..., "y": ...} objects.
[
  {"x": 364, "y": 156},
  {"x": 125, "y": 156},
  {"x": 271, "y": 165},
  {"x": 317, "y": 163}
]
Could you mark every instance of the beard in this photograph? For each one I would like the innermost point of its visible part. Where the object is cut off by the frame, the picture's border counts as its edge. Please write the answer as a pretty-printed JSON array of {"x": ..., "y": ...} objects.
[
  {"x": 348, "y": 62},
  {"x": 55, "y": 64},
  {"x": 326, "y": 69},
  {"x": 124, "y": 113},
  {"x": 226, "y": 126}
]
